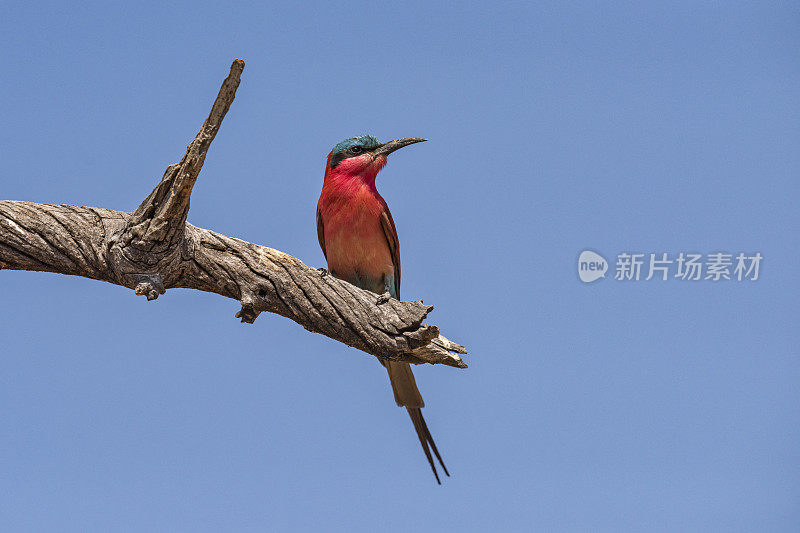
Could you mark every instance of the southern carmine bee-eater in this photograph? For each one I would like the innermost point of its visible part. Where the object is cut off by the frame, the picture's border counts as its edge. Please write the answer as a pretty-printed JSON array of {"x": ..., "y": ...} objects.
[{"x": 359, "y": 240}]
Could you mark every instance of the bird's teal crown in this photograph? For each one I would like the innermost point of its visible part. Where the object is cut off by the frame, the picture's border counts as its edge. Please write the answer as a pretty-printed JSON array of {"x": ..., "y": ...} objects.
[{"x": 353, "y": 146}]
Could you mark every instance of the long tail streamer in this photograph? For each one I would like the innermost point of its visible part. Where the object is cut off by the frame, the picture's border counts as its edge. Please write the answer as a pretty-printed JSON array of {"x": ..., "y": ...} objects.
[{"x": 425, "y": 439}]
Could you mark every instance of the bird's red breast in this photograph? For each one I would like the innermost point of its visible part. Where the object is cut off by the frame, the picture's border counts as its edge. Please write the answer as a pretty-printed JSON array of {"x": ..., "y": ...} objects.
[{"x": 351, "y": 208}]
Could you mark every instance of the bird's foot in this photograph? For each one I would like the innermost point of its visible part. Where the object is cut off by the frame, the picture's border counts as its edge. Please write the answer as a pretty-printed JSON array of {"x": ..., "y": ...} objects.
[
  {"x": 383, "y": 298},
  {"x": 322, "y": 272}
]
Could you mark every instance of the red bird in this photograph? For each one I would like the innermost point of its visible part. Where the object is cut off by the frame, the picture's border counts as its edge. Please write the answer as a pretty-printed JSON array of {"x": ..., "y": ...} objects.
[{"x": 359, "y": 240}]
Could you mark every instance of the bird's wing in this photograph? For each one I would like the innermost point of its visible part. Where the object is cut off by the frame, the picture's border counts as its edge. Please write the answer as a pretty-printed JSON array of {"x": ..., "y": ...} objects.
[
  {"x": 394, "y": 246},
  {"x": 321, "y": 233}
]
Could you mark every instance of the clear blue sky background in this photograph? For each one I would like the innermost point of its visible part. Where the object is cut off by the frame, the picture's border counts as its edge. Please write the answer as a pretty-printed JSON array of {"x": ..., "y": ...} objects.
[{"x": 612, "y": 406}]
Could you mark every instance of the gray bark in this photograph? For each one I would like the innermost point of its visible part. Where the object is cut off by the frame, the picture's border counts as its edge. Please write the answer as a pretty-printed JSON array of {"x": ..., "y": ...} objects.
[{"x": 154, "y": 249}]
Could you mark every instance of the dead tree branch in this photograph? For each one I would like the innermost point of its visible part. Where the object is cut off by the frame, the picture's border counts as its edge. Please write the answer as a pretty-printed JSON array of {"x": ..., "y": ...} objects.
[{"x": 154, "y": 249}]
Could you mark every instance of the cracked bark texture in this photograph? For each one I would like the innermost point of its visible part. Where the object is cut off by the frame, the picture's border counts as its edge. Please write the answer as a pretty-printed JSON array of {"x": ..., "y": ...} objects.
[{"x": 154, "y": 249}]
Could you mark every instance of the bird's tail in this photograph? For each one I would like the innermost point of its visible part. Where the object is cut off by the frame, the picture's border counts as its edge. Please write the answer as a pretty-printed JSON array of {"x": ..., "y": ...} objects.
[{"x": 407, "y": 395}]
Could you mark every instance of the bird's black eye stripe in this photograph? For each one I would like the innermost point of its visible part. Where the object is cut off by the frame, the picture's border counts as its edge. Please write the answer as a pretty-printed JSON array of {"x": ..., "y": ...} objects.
[{"x": 344, "y": 153}]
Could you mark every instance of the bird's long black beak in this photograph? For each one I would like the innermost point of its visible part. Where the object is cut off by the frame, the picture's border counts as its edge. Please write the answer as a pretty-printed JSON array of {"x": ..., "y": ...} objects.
[{"x": 391, "y": 146}]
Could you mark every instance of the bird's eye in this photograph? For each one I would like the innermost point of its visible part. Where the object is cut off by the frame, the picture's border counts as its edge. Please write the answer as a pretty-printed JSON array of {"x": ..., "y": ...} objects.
[{"x": 355, "y": 150}]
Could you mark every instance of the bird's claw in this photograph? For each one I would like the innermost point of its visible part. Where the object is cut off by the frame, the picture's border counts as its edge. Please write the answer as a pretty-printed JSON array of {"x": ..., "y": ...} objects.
[
  {"x": 383, "y": 298},
  {"x": 322, "y": 272}
]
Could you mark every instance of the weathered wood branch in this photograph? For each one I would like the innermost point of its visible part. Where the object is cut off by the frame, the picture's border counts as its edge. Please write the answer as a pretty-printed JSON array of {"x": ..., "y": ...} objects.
[{"x": 154, "y": 249}]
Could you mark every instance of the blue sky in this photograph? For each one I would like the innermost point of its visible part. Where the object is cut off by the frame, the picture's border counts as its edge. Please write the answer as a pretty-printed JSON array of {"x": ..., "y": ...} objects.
[{"x": 553, "y": 128}]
